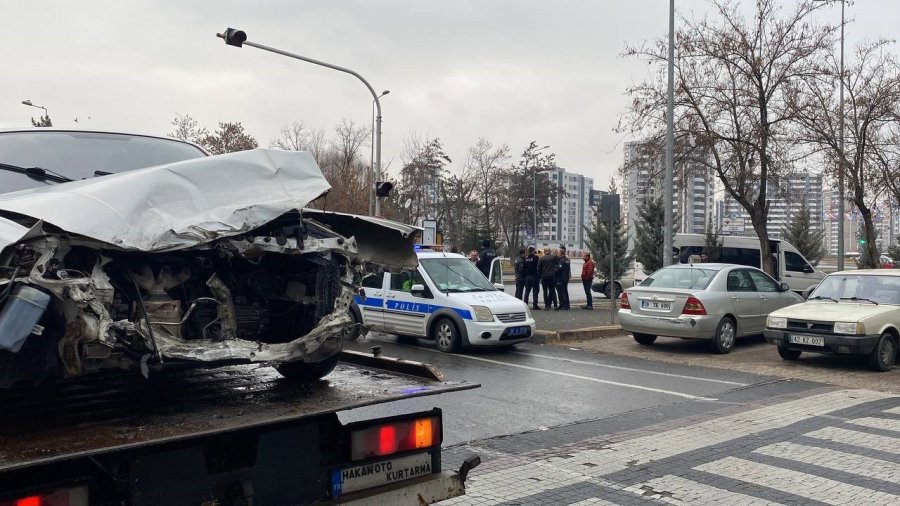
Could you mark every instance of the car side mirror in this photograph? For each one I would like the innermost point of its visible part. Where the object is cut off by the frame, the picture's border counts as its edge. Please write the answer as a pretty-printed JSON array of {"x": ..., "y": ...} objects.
[
  {"x": 785, "y": 287},
  {"x": 499, "y": 286},
  {"x": 417, "y": 290},
  {"x": 808, "y": 269}
]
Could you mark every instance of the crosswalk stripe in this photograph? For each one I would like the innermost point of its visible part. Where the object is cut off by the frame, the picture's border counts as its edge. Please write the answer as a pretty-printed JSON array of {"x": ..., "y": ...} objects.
[
  {"x": 832, "y": 459},
  {"x": 676, "y": 490},
  {"x": 879, "y": 423},
  {"x": 856, "y": 438},
  {"x": 797, "y": 483}
]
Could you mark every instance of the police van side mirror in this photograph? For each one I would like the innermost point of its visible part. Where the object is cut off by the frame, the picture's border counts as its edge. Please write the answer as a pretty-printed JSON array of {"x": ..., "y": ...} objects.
[
  {"x": 418, "y": 290},
  {"x": 499, "y": 286}
]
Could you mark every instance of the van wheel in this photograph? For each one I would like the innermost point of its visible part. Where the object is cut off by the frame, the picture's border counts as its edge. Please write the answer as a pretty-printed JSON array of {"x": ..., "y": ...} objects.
[
  {"x": 445, "y": 335},
  {"x": 306, "y": 372},
  {"x": 884, "y": 355},
  {"x": 645, "y": 339},
  {"x": 789, "y": 354},
  {"x": 726, "y": 332}
]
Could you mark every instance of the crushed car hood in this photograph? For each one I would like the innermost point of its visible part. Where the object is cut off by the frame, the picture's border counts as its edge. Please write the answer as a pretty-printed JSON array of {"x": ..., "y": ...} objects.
[
  {"x": 174, "y": 206},
  {"x": 384, "y": 242}
]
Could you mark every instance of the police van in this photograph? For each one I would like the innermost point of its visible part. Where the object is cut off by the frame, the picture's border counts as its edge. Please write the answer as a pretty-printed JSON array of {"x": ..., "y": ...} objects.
[{"x": 446, "y": 299}]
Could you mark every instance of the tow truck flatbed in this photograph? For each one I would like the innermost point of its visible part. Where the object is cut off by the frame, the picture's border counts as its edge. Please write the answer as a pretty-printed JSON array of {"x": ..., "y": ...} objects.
[{"x": 105, "y": 413}]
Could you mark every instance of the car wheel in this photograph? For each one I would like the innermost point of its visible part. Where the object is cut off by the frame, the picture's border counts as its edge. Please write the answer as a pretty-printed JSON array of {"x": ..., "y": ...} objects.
[
  {"x": 307, "y": 372},
  {"x": 884, "y": 355},
  {"x": 446, "y": 335},
  {"x": 723, "y": 341},
  {"x": 612, "y": 286},
  {"x": 356, "y": 327},
  {"x": 645, "y": 339},
  {"x": 789, "y": 354}
]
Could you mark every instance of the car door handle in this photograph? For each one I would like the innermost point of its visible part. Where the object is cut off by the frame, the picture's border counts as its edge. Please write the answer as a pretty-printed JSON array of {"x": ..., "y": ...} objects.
[
  {"x": 391, "y": 295},
  {"x": 787, "y": 276},
  {"x": 735, "y": 298}
]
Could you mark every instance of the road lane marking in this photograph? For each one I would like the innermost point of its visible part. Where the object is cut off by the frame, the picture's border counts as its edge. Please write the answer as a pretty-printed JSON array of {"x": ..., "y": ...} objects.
[
  {"x": 585, "y": 378},
  {"x": 894, "y": 411},
  {"x": 833, "y": 459},
  {"x": 677, "y": 490},
  {"x": 878, "y": 423},
  {"x": 860, "y": 439},
  {"x": 621, "y": 368},
  {"x": 805, "y": 485}
]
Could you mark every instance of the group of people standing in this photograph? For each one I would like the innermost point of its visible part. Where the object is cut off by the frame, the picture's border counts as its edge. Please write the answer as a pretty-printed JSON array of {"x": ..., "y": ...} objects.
[{"x": 550, "y": 272}]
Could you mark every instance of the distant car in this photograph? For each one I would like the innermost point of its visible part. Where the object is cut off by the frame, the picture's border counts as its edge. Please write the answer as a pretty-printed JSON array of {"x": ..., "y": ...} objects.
[
  {"x": 850, "y": 312},
  {"x": 887, "y": 262},
  {"x": 632, "y": 277},
  {"x": 715, "y": 302}
]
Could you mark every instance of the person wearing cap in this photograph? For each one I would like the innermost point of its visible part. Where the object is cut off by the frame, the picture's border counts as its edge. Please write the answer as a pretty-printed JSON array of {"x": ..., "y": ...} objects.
[
  {"x": 486, "y": 258},
  {"x": 532, "y": 276},
  {"x": 520, "y": 274},
  {"x": 563, "y": 271}
]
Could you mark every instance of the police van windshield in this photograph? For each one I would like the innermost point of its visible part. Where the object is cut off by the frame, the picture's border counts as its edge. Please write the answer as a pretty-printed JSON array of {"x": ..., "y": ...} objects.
[{"x": 455, "y": 275}]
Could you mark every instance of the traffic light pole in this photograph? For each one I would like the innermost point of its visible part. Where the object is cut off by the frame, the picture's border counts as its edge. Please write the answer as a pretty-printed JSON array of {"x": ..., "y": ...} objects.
[{"x": 238, "y": 38}]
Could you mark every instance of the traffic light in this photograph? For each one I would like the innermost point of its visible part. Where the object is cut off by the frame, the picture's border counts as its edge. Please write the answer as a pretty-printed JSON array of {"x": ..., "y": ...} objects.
[
  {"x": 234, "y": 37},
  {"x": 383, "y": 188},
  {"x": 861, "y": 241}
]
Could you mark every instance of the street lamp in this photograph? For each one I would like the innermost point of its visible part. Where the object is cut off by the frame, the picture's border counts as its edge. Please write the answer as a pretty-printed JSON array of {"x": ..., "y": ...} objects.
[
  {"x": 372, "y": 158},
  {"x": 238, "y": 38},
  {"x": 840, "y": 232},
  {"x": 29, "y": 104},
  {"x": 534, "y": 184},
  {"x": 669, "y": 182}
]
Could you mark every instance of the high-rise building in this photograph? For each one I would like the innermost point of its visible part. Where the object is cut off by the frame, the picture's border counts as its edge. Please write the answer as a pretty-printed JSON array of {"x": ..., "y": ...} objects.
[
  {"x": 785, "y": 197},
  {"x": 692, "y": 196},
  {"x": 570, "y": 220}
]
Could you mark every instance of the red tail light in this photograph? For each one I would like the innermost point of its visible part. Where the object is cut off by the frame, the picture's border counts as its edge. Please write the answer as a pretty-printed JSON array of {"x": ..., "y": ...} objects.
[
  {"x": 693, "y": 306},
  {"x": 77, "y": 496},
  {"x": 623, "y": 301},
  {"x": 395, "y": 437}
]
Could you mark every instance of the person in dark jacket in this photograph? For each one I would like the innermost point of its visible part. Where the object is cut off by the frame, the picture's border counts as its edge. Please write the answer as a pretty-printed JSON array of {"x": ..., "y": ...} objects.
[
  {"x": 532, "y": 277},
  {"x": 563, "y": 271},
  {"x": 547, "y": 268},
  {"x": 520, "y": 274},
  {"x": 486, "y": 258},
  {"x": 587, "y": 278}
]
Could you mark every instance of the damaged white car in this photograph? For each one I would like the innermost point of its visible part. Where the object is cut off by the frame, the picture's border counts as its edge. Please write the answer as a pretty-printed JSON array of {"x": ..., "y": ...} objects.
[{"x": 132, "y": 252}]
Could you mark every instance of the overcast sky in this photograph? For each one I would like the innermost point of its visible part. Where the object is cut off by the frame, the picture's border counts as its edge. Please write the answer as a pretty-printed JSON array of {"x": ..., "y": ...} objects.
[{"x": 507, "y": 70}]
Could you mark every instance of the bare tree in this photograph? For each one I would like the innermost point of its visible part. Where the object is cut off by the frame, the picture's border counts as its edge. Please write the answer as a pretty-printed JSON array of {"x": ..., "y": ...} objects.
[
  {"x": 296, "y": 137},
  {"x": 228, "y": 138},
  {"x": 526, "y": 191},
  {"x": 734, "y": 78},
  {"x": 187, "y": 129},
  {"x": 486, "y": 163},
  {"x": 871, "y": 106},
  {"x": 421, "y": 178}
]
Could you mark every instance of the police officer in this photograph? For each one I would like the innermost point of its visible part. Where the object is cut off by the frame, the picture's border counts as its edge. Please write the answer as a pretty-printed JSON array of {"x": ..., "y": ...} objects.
[
  {"x": 563, "y": 271},
  {"x": 520, "y": 274},
  {"x": 530, "y": 271},
  {"x": 486, "y": 258}
]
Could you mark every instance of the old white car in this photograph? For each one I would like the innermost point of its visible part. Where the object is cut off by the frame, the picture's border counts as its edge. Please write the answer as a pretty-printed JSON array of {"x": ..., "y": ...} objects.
[{"x": 850, "y": 312}]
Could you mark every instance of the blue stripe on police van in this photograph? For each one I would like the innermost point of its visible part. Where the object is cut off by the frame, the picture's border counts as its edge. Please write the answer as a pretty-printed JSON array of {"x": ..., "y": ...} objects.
[{"x": 409, "y": 307}]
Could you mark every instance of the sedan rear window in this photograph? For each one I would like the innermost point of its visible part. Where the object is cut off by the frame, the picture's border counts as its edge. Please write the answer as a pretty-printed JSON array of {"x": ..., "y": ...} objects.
[{"x": 680, "y": 277}]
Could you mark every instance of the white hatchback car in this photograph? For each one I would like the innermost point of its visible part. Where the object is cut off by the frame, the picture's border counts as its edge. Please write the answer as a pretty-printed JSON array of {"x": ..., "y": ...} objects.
[{"x": 445, "y": 299}]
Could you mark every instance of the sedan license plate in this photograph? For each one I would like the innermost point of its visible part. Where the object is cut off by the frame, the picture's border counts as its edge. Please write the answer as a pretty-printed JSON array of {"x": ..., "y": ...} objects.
[
  {"x": 656, "y": 305},
  {"x": 518, "y": 331},
  {"x": 375, "y": 474},
  {"x": 807, "y": 340}
]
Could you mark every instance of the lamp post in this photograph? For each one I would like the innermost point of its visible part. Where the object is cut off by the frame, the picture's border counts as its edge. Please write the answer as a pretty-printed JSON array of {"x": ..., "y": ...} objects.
[
  {"x": 840, "y": 231},
  {"x": 370, "y": 177},
  {"x": 670, "y": 144},
  {"x": 534, "y": 184},
  {"x": 29, "y": 104},
  {"x": 238, "y": 38}
]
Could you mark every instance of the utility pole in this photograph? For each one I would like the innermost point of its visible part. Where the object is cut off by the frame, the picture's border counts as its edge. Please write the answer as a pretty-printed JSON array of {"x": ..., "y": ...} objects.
[{"x": 669, "y": 182}]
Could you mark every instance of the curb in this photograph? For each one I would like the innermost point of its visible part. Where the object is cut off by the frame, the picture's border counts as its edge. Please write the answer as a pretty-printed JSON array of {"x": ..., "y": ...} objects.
[{"x": 549, "y": 336}]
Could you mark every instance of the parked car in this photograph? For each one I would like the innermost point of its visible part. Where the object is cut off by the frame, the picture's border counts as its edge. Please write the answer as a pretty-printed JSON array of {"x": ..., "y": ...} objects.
[
  {"x": 445, "y": 299},
  {"x": 715, "y": 302},
  {"x": 850, "y": 312},
  {"x": 632, "y": 277},
  {"x": 136, "y": 252}
]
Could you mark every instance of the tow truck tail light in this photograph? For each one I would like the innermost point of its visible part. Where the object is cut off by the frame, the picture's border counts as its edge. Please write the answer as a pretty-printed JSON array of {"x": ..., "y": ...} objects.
[
  {"x": 395, "y": 437},
  {"x": 623, "y": 302},
  {"x": 693, "y": 306},
  {"x": 77, "y": 496}
]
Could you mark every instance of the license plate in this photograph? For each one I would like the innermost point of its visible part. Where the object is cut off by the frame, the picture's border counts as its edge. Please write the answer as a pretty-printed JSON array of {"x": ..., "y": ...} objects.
[
  {"x": 376, "y": 474},
  {"x": 518, "y": 331},
  {"x": 656, "y": 305},
  {"x": 807, "y": 340}
]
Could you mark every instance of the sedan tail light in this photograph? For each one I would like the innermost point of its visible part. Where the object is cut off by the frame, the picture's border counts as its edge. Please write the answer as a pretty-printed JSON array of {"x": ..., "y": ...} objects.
[
  {"x": 693, "y": 306},
  {"x": 623, "y": 301}
]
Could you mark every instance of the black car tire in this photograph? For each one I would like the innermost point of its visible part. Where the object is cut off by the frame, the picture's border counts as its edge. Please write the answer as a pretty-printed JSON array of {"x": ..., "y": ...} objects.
[
  {"x": 726, "y": 334},
  {"x": 789, "y": 354},
  {"x": 884, "y": 355},
  {"x": 445, "y": 335},
  {"x": 307, "y": 372},
  {"x": 615, "y": 286},
  {"x": 644, "y": 339}
]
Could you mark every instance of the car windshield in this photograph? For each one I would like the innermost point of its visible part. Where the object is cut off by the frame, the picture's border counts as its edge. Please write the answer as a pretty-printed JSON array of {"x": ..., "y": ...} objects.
[
  {"x": 77, "y": 155},
  {"x": 859, "y": 287},
  {"x": 455, "y": 275},
  {"x": 680, "y": 277}
]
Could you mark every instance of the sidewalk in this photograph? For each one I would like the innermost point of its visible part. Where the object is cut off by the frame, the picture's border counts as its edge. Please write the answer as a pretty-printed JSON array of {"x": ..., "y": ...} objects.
[{"x": 574, "y": 324}]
